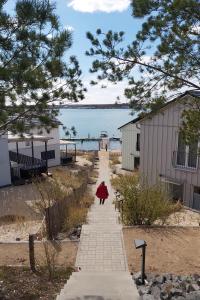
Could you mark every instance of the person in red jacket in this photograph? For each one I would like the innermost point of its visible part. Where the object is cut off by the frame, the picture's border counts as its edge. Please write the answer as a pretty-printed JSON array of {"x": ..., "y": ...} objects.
[{"x": 102, "y": 192}]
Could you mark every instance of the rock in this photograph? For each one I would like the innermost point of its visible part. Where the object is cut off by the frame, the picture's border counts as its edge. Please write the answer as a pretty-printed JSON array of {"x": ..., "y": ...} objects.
[
  {"x": 18, "y": 239},
  {"x": 176, "y": 292},
  {"x": 196, "y": 277},
  {"x": 168, "y": 277},
  {"x": 137, "y": 278},
  {"x": 73, "y": 237},
  {"x": 148, "y": 297},
  {"x": 164, "y": 296},
  {"x": 193, "y": 296},
  {"x": 195, "y": 287},
  {"x": 198, "y": 282},
  {"x": 144, "y": 290},
  {"x": 190, "y": 287},
  {"x": 156, "y": 292},
  {"x": 176, "y": 285},
  {"x": 167, "y": 286},
  {"x": 160, "y": 279}
]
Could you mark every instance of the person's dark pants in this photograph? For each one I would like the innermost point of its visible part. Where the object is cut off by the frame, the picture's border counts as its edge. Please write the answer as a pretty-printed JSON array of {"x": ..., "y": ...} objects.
[{"x": 102, "y": 201}]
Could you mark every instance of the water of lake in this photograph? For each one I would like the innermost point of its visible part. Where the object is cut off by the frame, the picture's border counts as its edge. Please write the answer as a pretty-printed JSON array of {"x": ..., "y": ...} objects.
[{"x": 90, "y": 123}]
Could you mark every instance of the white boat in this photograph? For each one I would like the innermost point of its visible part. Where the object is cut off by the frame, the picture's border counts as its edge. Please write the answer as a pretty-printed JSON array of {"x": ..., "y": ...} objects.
[{"x": 104, "y": 134}]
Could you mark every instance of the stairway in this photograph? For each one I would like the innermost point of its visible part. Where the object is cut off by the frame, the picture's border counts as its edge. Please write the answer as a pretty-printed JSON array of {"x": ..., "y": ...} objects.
[{"x": 101, "y": 255}]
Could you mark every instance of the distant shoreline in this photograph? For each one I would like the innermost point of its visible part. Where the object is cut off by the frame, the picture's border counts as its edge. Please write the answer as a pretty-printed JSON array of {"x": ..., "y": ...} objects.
[{"x": 94, "y": 106}]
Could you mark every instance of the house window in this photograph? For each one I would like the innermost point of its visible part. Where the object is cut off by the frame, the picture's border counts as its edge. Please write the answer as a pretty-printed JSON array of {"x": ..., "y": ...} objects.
[
  {"x": 138, "y": 142},
  {"x": 50, "y": 154},
  {"x": 136, "y": 162},
  {"x": 196, "y": 198},
  {"x": 186, "y": 154}
]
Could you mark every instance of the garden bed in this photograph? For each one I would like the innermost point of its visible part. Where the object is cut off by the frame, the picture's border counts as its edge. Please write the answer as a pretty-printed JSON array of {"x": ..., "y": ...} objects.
[
  {"x": 169, "y": 249},
  {"x": 21, "y": 284},
  {"x": 17, "y": 253}
]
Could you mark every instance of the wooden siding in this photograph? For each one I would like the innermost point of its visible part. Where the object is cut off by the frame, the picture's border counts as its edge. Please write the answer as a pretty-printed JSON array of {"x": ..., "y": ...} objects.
[
  {"x": 129, "y": 139},
  {"x": 159, "y": 140},
  {"x": 5, "y": 177}
]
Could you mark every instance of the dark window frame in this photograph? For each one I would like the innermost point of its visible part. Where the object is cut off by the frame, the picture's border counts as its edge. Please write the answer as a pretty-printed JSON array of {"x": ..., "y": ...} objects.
[
  {"x": 138, "y": 142},
  {"x": 50, "y": 154}
]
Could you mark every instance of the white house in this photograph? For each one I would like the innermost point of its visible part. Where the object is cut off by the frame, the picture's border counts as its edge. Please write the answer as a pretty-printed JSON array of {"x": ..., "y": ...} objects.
[
  {"x": 53, "y": 146},
  {"x": 165, "y": 156},
  {"x": 5, "y": 177},
  {"x": 130, "y": 145},
  {"x": 32, "y": 151}
]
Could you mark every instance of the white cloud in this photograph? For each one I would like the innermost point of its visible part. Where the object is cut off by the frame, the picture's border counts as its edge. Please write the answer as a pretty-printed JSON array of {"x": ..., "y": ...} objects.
[
  {"x": 91, "y": 6},
  {"x": 98, "y": 95},
  {"x": 69, "y": 28}
]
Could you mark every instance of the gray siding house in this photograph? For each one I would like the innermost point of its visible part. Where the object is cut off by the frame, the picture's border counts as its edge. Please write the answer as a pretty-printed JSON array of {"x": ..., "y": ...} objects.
[
  {"x": 130, "y": 145},
  {"x": 5, "y": 176},
  {"x": 165, "y": 157}
]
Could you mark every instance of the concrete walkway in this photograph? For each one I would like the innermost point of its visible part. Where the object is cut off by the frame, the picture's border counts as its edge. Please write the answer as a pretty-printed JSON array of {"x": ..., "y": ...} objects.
[{"x": 101, "y": 255}]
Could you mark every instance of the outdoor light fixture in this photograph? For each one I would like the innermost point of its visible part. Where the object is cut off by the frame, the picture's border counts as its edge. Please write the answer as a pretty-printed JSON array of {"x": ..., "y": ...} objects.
[{"x": 142, "y": 244}]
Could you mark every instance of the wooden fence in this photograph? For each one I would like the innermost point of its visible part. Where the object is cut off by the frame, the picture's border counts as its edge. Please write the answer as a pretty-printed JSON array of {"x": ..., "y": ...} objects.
[{"x": 55, "y": 215}]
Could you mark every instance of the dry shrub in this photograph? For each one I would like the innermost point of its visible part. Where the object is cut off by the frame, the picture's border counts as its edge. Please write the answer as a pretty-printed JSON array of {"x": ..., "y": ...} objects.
[
  {"x": 51, "y": 250},
  {"x": 50, "y": 190},
  {"x": 90, "y": 156},
  {"x": 68, "y": 179},
  {"x": 10, "y": 219},
  {"x": 94, "y": 174},
  {"x": 143, "y": 204},
  {"x": 114, "y": 158},
  {"x": 76, "y": 214}
]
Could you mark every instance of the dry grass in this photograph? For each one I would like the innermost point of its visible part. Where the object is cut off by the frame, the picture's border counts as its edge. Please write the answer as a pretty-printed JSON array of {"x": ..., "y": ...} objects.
[
  {"x": 68, "y": 179},
  {"x": 76, "y": 214},
  {"x": 143, "y": 204},
  {"x": 21, "y": 284},
  {"x": 94, "y": 174},
  {"x": 169, "y": 249},
  {"x": 114, "y": 158},
  {"x": 90, "y": 156}
]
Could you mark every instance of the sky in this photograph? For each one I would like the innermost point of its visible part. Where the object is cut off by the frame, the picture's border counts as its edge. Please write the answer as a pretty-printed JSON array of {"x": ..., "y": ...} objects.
[
  {"x": 89, "y": 15},
  {"x": 81, "y": 16}
]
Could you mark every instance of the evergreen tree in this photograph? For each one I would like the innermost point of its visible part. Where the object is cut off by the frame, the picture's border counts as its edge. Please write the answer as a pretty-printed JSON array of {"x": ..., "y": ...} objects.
[
  {"x": 33, "y": 69},
  {"x": 171, "y": 33}
]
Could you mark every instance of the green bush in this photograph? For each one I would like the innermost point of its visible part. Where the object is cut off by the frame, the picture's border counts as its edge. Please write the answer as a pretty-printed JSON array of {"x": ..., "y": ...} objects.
[{"x": 143, "y": 204}]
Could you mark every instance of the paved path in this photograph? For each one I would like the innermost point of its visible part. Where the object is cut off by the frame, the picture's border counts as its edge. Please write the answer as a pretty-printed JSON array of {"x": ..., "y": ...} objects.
[{"x": 101, "y": 256}]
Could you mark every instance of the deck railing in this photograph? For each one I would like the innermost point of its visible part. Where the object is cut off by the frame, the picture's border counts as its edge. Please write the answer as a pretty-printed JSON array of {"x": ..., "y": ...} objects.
[{"x": 26, "y": 167}]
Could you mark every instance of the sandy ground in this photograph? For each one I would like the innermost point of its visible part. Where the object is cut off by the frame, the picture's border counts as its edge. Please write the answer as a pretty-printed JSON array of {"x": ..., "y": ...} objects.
[
  {"x": 185, "y": 217},
  {"x": 18, "y": 253},
  {"x": 169, "y": 250},
  {"x": 19, "y": 230}
]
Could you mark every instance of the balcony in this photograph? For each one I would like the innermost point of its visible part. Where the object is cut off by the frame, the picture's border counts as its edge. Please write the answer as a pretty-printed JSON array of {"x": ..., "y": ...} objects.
[{"x": 185, "y": 160}]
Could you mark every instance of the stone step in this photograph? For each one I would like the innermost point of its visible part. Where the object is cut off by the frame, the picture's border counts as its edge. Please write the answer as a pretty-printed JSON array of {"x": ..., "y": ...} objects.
[{"x": 99, "y": 286}]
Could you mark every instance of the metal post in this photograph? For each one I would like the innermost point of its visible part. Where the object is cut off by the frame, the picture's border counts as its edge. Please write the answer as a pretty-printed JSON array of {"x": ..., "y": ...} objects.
[
  {"x": 32, "y": 148},
  {"x": 32, "y": 252},
  {"x": 17, "y": 147},
  {"x": 142, "y": 244},
  {"x": 46, "y": 158},
  {"x": 75, "y": 152},
  {"x": 143, "y": 276}
]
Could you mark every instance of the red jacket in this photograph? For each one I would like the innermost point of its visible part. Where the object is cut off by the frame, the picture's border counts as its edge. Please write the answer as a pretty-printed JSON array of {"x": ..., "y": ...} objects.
[{"x": 102, "y": 192}]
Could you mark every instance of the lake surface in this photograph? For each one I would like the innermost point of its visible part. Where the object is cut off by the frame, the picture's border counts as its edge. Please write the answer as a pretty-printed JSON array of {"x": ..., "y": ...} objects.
[{"x": 90, "y": 123}]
